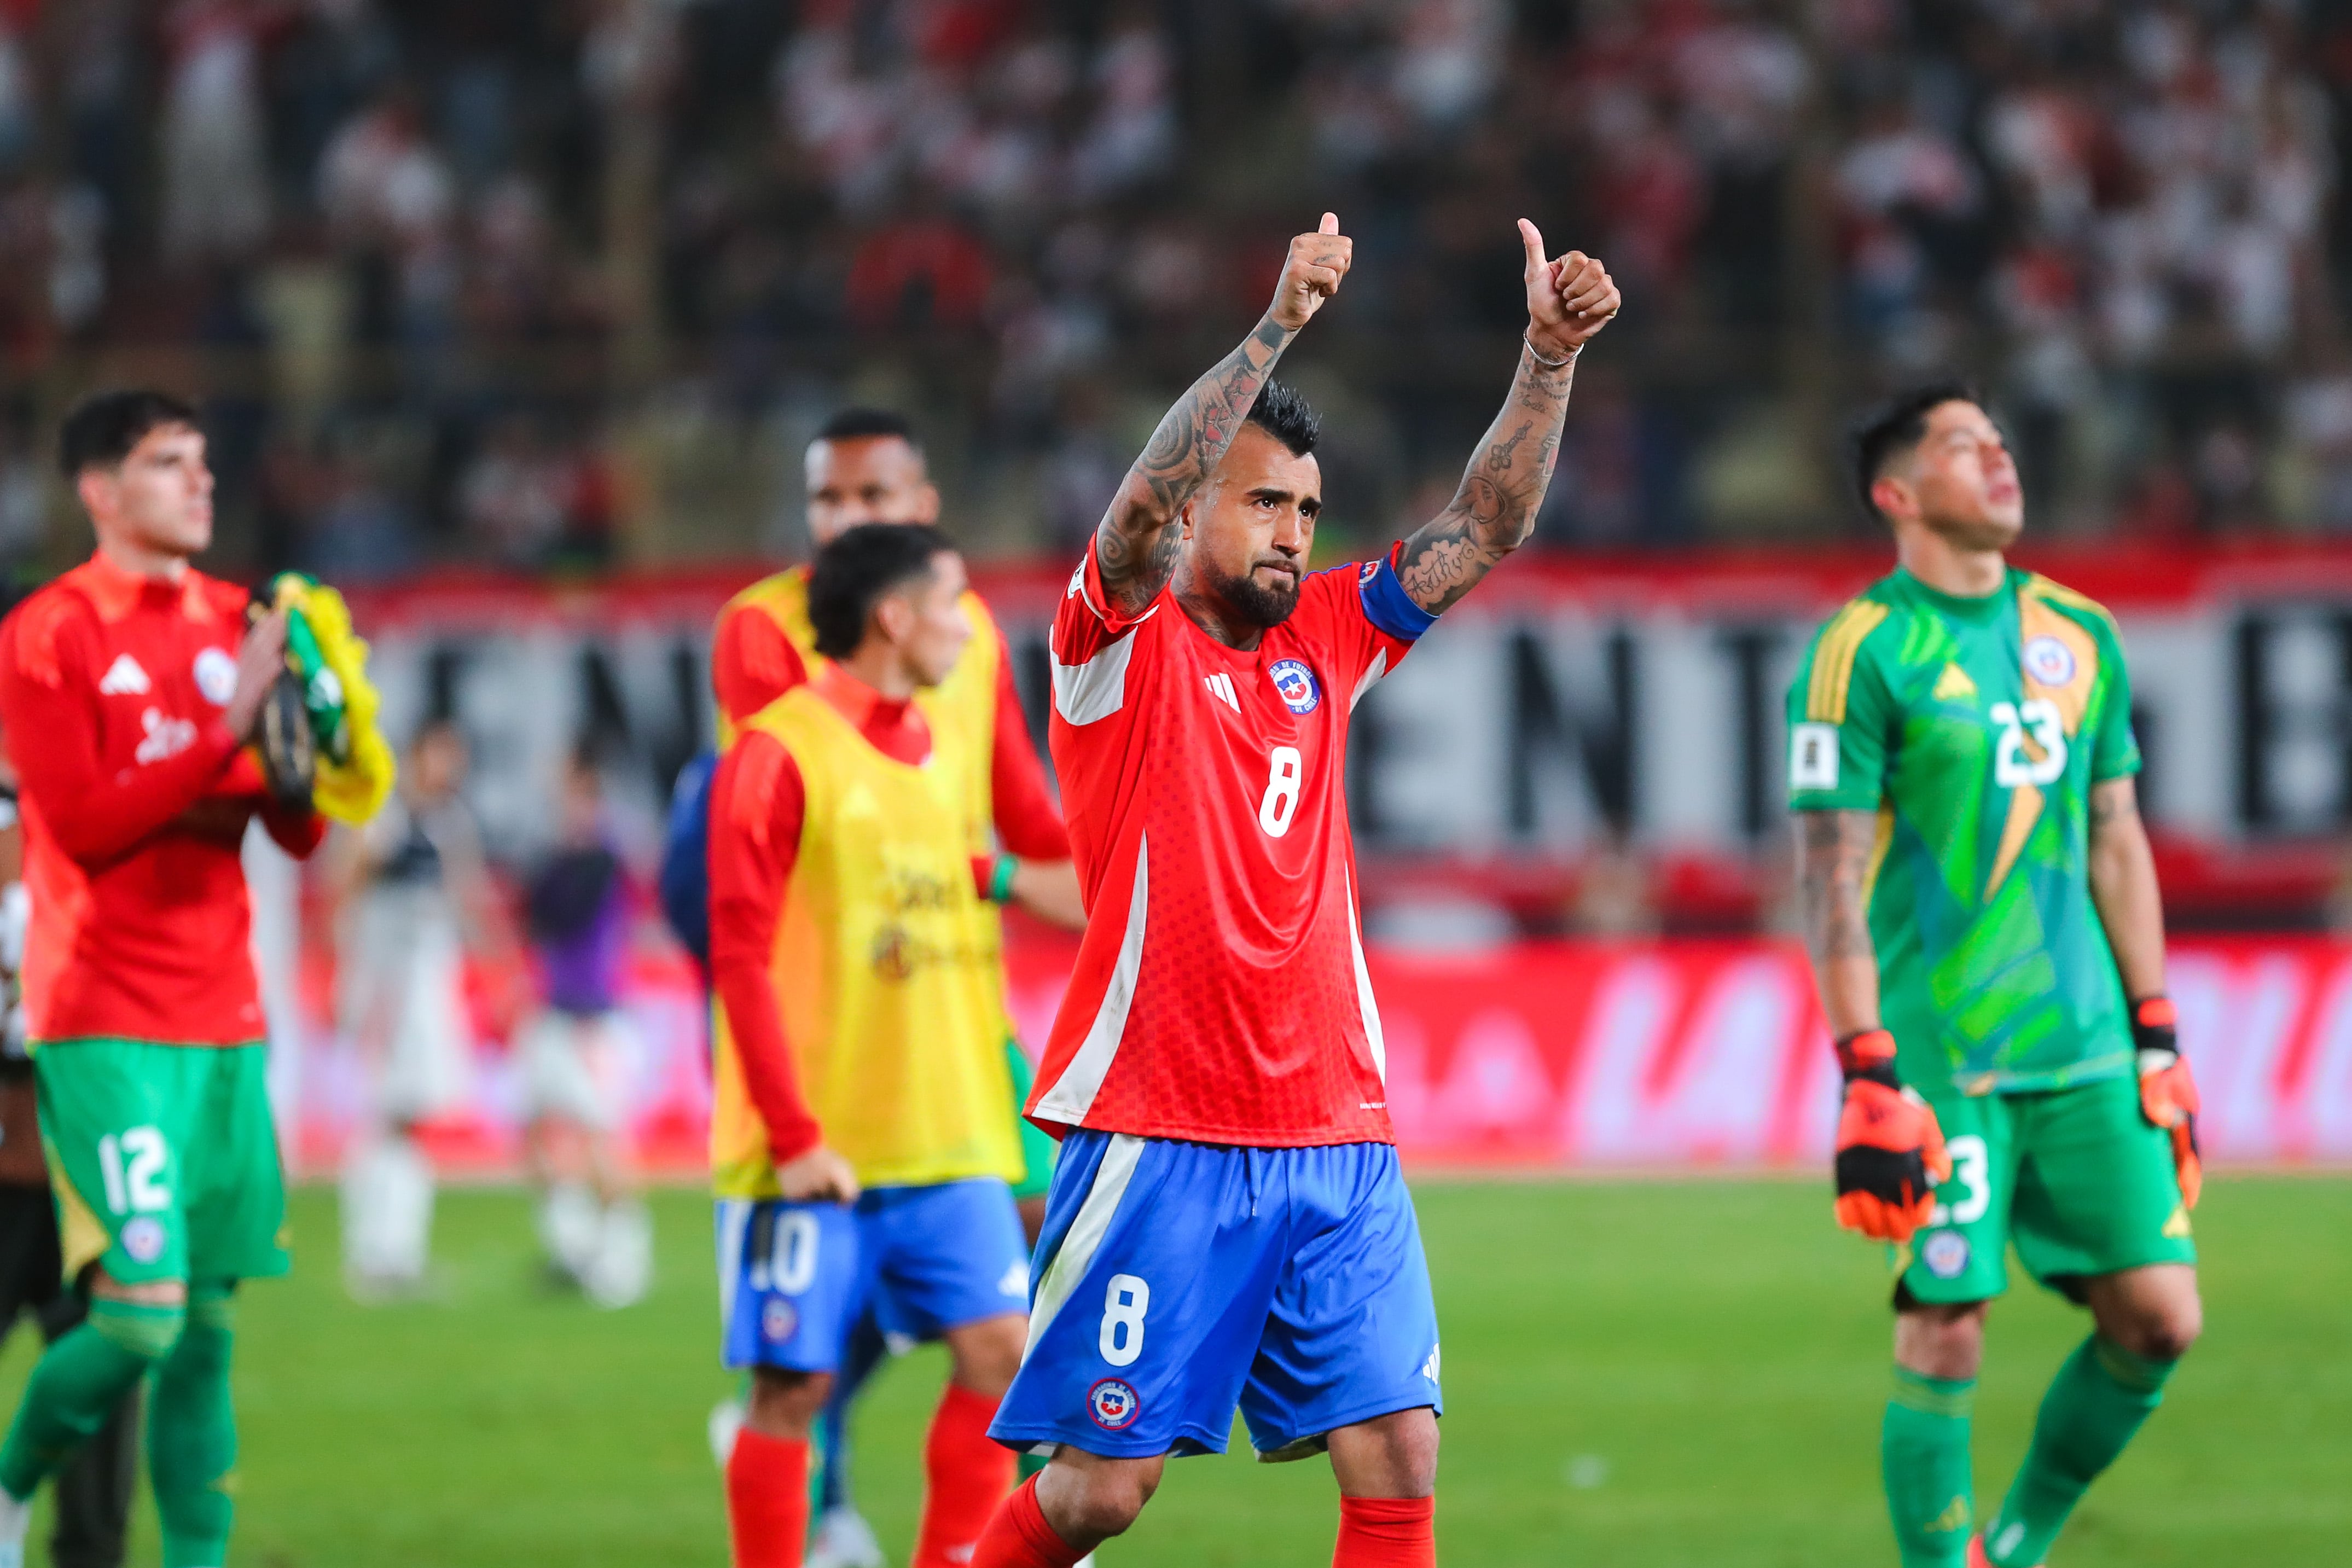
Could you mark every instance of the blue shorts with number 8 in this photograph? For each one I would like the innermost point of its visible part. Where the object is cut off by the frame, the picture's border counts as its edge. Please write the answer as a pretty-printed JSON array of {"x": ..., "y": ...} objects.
[{"x": 1175, "y": 1280}]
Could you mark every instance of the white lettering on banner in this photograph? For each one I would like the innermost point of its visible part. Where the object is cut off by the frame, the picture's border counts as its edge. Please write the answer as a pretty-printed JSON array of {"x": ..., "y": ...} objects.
[
  {"x": 1718, "y": 1104},
  {"x": 1635, "y": 1003},
  {"x": 1520, "y": 726},
  {"x": 2323, "y": 1112},
  {"x": 1526, "y": 723},
  {"x": 2235, "y": 1018},
  {"x": 1497, "y": 1081},
  {"x": 1562, "y": 1055}
]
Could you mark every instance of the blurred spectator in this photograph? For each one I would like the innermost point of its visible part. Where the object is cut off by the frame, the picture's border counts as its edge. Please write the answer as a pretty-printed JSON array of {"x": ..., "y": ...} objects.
[
  {"x": 359, "y": 532},
  {"x": 24, "y": 508},
  {"x": 533, "y": 502},
  {"x": 390, "y": 203},
  {"x": 216, "y": 187},
  {"x": 17, "y": 121}
]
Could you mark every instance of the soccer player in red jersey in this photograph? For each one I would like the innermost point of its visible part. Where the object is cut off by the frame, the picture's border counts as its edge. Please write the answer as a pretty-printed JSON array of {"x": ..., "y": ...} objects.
[
  {"x": 129, "y": 688},
  {"x": 1227, "y": 1222}
]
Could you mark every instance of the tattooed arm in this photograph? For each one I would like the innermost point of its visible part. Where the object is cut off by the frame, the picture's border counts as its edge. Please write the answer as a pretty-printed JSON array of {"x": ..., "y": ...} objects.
[
  {"x": 2124, "y": 887},
  {"x": 1492, "y": 513},
  {"x": 1135, "y": 546},
  {"x": 1833, "y": 851}
]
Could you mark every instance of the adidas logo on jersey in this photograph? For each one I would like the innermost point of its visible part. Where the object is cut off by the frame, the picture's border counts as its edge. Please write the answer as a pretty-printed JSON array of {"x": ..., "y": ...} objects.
[
  {"x": 1954, "y": 685},
  {"x": 1220, "y": 687},
  {"x": 124, "y": 677}
]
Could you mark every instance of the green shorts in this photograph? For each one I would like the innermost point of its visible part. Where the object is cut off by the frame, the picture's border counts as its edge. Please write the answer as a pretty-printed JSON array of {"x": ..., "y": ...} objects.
[
  {"x": 164, "y": 1159},
  {"x": 1037, "y": 1150},
  {"x": 2075, "y": 1177}
]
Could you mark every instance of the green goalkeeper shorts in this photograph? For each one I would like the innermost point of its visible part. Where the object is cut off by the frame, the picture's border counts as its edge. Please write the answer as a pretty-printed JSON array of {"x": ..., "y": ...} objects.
[
  {"x": 164, "y": 1159},
  {"x": 2075, "y": 1177},
  {"x": 1037, "y": 1150}
]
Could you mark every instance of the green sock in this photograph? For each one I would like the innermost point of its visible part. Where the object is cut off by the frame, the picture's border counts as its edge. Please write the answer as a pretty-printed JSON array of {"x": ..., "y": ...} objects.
[
  {"x": 192, "y": 1436},
  {"x": 2094, "y": 1405},
  {"x": 1030, "y": 1465},
  {"x": 1923, "y": 1454},
  {"x": 75, "y": 1384}
]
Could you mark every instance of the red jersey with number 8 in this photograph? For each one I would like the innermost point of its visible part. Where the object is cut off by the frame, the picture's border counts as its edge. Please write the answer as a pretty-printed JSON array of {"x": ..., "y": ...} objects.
[{"x": 1220, "y": 993}]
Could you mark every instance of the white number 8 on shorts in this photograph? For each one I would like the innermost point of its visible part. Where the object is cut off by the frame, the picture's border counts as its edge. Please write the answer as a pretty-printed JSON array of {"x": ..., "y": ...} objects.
[{"x": 1124, "y": 1304}]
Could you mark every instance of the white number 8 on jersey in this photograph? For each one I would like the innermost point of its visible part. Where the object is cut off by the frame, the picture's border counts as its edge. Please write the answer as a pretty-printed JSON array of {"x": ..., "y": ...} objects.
[{"x": 1285, "y": 773}]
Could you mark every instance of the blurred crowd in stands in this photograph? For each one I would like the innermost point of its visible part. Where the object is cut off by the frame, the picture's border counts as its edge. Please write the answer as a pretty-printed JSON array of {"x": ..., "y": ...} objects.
[{"x": 564, "y": 283}]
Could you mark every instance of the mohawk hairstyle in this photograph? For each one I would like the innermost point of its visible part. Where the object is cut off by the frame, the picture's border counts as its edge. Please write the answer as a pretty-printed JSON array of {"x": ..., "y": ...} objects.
[
  {"x": 1289, "y": 419},
  {"x": 1894, "y": 426}
]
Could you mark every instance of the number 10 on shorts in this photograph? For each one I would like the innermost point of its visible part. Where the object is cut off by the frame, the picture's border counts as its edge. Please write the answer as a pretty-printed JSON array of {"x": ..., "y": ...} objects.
[{"x": 1124, "y": 1304}]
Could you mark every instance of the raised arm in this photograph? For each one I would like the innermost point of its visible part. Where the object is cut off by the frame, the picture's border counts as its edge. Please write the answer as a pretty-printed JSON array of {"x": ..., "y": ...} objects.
[
  {"x": 1569, "y": 300},
  {"x": 1135, "y": 547}
]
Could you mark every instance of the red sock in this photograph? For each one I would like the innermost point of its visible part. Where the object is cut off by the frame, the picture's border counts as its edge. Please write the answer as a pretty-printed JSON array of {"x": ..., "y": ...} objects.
[
  {"x": 1019, "y": 1537},
  {"x": 767, "y": 1501},
  {"x": 965, "y": 1476},
  {"x": 1386, "y": 1532}
]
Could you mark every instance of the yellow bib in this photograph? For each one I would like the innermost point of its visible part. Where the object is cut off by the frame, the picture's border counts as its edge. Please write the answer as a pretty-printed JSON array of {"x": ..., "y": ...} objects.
[{"x": 887, "y": 969}]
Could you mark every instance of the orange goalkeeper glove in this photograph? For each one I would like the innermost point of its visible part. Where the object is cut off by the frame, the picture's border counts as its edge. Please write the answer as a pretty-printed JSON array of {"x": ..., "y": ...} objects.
[
  {"x": 1890, "y": 1152},
  {"x": 2168, "y": 1095}
]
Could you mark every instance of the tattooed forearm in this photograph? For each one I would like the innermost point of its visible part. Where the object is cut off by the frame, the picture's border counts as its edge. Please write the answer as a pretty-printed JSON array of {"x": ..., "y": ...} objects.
[
  {"x": 2112, "y": 803},
  {"x": 1136, "y": 544},
  {"x": 1493, "y": 511},
  {"x": 1833, "y": 850},
  {"x": 1834, "y": 858},
  {"x": 2125, "y": 888}
]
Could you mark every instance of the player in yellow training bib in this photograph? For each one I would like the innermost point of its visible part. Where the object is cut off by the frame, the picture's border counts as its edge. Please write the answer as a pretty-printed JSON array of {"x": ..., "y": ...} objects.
[{"x": 863, "y": 1142}]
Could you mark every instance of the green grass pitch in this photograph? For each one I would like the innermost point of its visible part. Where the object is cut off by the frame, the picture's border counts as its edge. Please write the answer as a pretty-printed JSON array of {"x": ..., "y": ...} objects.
[{"x": 1641, "y": 1373}]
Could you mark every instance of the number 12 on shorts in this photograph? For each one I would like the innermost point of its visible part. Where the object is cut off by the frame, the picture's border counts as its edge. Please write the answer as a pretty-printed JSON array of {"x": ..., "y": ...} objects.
[
  {"x": 1124, "y": 1304},
  {"x": 132, "y": 1167}
]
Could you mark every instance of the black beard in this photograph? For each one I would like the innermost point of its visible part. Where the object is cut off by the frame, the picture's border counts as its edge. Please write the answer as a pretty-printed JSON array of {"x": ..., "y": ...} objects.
[{"x": 1260, "y": 606}]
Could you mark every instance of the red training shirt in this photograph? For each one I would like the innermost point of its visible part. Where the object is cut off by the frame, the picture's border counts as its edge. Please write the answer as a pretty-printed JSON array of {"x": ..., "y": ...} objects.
[
  {"x": 135, "y": 799},
  {"x": 1220, "y": 993}
]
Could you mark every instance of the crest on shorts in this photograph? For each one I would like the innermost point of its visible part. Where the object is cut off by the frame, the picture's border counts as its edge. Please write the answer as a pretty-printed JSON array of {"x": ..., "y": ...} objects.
[
  {"x": 1295, "y": 684},
  {"x": 1945, "y": 1254},
  {"x": 778, "y": 1319},
  {"x": 142, "y": 1239},
  {"x": 2049, "y": 661},
  {"x": 1114, "y": 1405}
]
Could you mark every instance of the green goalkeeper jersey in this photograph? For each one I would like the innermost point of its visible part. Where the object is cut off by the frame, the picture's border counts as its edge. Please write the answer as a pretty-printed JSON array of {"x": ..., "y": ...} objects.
[{"x": 1976, "y": 729}]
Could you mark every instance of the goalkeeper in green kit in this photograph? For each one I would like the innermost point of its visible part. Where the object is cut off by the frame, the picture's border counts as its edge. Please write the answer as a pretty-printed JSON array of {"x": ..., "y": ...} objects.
[
  {"x": 151, "y": 714},
  {"x": 1986, "y": 937}
]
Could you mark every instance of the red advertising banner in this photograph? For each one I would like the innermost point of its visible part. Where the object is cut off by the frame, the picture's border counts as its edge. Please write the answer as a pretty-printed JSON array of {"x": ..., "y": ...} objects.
[
  {"x": 1573, "y": 1056},
  {"x": 1539, "y": 1057}
]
